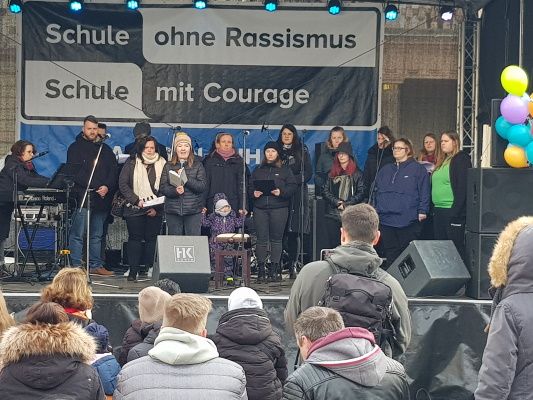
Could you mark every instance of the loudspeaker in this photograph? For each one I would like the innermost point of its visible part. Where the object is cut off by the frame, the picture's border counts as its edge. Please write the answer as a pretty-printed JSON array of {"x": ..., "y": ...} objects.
[
  {"x": 430, "y": 268},
  {"x": 185, "y": 260},
  {"x": 498, "y": 144},
  {"x": 479, "y": 249},
  {"x": 497, "y": 196}
]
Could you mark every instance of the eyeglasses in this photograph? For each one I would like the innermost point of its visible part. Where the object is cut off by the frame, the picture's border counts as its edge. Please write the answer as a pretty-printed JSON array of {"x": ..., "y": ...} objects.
[{"x": 399, "y": 148}]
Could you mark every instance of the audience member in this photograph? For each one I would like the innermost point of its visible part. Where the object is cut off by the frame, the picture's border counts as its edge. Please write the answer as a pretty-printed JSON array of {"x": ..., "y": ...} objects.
[
  {"x": 343, "y": 187},
  {"x": 341, "y": 363},
  {"x": 71, "y": 290},
  {"x": 507, "y": 365},
  {"x": 47, "y": 358},
  {"x": 359, "y": 232},
  {"x": 244, "y": 335},
  {"x": 402, "y": 200},
  {"x": 104, "y": 362},
  {"x": 183, "y": 364},
  {"x": 337, "y": 135},
  {"x": 6, "y": 320}
]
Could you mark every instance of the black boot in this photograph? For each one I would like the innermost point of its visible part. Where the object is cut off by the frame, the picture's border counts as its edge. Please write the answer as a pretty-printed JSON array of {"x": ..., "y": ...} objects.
[
  {"x": 274, "y": 273},
  {"x": 261, "y": 273},
  {"x": 292, "y": 271},
  {"x": 132, "y": 277}
]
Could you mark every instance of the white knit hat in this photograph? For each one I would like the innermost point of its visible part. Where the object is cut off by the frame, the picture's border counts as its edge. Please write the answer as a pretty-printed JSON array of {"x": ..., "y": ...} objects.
[
  {"x": 220, "y": 204},
  {"x": 244, "y": 297},
  {"x": 152, "y": 301}
]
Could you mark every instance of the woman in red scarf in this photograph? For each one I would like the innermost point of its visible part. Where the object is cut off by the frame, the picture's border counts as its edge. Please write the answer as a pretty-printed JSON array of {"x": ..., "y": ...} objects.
[{"x": 17, "y": 166}]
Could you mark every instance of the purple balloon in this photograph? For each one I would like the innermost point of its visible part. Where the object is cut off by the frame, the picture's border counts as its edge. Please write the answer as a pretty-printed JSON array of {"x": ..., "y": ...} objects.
[{"x": 514, "y": 109}]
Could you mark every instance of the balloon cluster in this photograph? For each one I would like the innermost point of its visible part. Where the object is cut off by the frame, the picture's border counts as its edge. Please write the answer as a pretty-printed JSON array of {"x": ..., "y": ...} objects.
[{"x": 515, "y": 121}]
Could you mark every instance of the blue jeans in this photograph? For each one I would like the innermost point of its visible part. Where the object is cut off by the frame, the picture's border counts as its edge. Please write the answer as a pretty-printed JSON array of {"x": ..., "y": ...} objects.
[{"x": 78, "y": 230}]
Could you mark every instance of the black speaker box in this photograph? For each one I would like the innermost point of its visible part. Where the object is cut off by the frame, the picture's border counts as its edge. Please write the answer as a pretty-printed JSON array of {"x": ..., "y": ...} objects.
[
  {"x": 497, "y": 196},
  {"x": 430, "y": 268},
  {"x": 479, "y": 249},
  {"x": 185, "y": 260},
  {"x": 498, "y": 144}
]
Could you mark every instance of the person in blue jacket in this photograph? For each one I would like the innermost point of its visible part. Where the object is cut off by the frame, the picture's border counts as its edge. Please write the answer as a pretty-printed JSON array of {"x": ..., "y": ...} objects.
[{"x": 402, "y": 200}]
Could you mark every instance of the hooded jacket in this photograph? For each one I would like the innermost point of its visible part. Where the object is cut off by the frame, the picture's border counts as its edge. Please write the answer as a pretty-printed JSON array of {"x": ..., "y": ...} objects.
[
  {"x": 132, "y": 338},
  {"x": 181, "y": 366},
  {"x": 284, "y": 180},
  {"x": 375, "y": 156},
  {"x": 245, "y": 336},
  {"x": 149, "y": 334},
  {"x": 48, "y": 362},
  {"x": 344, "y": 365},
  {"x": 356, "y": 257},
  {"x": 507, "y": 367}
]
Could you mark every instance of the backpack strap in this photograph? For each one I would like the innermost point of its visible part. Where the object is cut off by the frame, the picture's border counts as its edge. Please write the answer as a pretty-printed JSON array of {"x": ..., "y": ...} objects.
[
  {"x": 336, "y": 268},
  {"x": 267, "y": 351}
]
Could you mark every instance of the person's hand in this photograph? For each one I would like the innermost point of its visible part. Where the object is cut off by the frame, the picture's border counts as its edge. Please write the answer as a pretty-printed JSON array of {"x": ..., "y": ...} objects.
[
  {"x": 422, "y": 217},
  {"x": 276, "y": 192},
  {"x": 151, "y": 212},
  {"x": 102, "y": 191},
  {"x": 180, "y": 189},
  {"x": 204, "y": 210},
  {"x": 340, "y": 207},
  {"x": 243, "y": 212},
  {"x": 340, "y": 202},
  {"x": 257, "y": 193},
  {"x": 140, "y": 204}
]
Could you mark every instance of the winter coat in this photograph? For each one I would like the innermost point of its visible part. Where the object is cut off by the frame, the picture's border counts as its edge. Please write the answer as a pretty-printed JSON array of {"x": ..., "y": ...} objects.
[
  {"x": 225, "y": 177},
  {"x": 108, "y": 369},
  {"x": 375, "y": 156},
  {"x": 25, "y": 177},
  {"x": 84, "y": 152},
  {"x": 323, "y": 166},
  {"x": 48, "y": 362},
  {"x": 288, "y": 159},
  {"x": 191, "y": 201},
  {"x": 507, "y": 366},
  {"x": 181, "y": 366},
  {"x": 132, "y": 338},
  {"x": 245, "y": 336},
  {"x": 125, "y": 185},
  {"x": 330, "y": 192},
  {"x": 284, "y": 180},
  {"x": 346, "y": 365},
  {"x": 403, "y": 192},
  {"x": 149, "y": 333},
  {"x": 459, "y": 166},
  {"x": 356, "y": 257}
]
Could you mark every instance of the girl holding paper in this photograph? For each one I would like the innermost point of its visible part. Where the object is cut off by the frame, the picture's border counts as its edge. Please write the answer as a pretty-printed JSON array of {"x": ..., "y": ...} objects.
[{"x": 139, "y": 182}]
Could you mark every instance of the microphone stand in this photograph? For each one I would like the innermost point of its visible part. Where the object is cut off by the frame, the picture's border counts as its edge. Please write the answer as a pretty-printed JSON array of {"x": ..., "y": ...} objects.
[
  {"x": 373, "y": 186},
  {"x": 302, "y": 204},
  {"x": 175, "y": 129}
]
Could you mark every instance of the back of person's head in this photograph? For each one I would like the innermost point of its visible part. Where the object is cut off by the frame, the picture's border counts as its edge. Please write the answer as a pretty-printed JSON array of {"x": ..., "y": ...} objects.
[
  {"x": 360, "y": 222},
  {"x": 317, "y": 322},
  {"x": 168, "y": 285},
  {"x": 46, "y": 313},
  {"x": 152, "y": 301},
  {"x": 188, "y": 312},
  {"x": 142, "y": 128},
  {"x": 100, "y": 335},
  {"x": 69, "y": 289},
  {"x": 244, "y": 297},
  {"x": 6, "y": 321}
]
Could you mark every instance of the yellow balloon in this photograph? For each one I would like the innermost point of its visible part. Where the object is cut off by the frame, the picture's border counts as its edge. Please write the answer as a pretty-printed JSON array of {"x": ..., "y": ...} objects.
[
  {"x": 515, "y": 156},
  {"x": 514, "y": 80}
]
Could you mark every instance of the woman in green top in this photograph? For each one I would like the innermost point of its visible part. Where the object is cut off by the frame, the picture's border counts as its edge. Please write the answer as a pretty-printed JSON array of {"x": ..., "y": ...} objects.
[{"x": 448, "y": 192}]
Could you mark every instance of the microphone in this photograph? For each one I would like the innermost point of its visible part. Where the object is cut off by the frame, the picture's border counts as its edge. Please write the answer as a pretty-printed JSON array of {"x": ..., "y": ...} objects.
[
  {"x": 246, "y": 133},
  {"x": 263, "y": 128},
  {"x": 39, "y": 155},
  {"x": 386, "y": 140},
  {"x": 104, "y": 138},
  {"x": 176, "y": 128},
  {"x": 304, "y": 131}
]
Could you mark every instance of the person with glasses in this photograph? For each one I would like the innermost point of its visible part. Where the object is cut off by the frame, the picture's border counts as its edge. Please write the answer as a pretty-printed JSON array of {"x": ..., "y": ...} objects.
[{"x": 402, "y": 200}]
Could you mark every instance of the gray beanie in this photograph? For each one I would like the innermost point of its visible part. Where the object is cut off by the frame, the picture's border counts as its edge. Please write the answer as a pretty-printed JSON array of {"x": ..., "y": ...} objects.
[{"x": 244, "y": 297}]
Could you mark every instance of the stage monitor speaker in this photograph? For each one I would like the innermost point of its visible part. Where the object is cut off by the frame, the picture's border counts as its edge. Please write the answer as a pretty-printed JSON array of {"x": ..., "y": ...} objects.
[
  {"x": 185, "y": 260},
  {"x": 479, "y": 247},
  {"x": 498, "y": 144},
  {"x": 497, "y": 196},
  {"x": 430, "y": 268}
]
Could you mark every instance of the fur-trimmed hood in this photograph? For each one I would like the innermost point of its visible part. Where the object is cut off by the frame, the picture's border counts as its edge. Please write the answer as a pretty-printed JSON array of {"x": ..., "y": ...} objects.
[
  {"x": 510, "y": 264},
  {"x": 46, "y": 340}
]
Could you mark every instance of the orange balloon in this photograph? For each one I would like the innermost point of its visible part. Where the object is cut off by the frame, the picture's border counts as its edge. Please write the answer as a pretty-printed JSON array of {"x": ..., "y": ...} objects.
[
  {"x": 530, "y": 105},
  {"x": 515, "y": 156}
]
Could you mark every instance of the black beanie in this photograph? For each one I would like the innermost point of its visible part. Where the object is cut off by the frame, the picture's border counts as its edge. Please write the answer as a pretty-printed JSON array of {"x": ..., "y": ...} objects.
[{"x": 272, "y": 145}]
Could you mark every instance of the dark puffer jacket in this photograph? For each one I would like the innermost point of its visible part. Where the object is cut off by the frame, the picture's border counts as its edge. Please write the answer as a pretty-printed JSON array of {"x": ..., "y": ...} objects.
[
  {"x": 149, "y": 333},
  {"x": 330, "y": 192},
  {"x": 284, "y": 180},
  {"x": 131, "y": 339},
  {"x": 245, "y": 336},
  {"x": 191, "y": 201},
  {"x": 25, "y": 177}
]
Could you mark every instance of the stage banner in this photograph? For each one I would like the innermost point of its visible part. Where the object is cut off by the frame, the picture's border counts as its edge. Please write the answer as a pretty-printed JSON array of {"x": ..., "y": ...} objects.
[{"x": 225, "y": 68}]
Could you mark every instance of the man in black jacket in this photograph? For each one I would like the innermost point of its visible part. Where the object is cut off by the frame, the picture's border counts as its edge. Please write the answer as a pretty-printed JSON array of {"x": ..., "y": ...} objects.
[
  {"x": 103, "y": 186},
  {"x": 341, "y": 363}
]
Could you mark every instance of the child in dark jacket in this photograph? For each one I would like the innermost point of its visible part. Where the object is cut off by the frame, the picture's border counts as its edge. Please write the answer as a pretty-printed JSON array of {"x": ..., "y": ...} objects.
[
  {"x": 223, "y": 220},
  {"x": 245, "y": 336},
  {"x": 104, "y": 362}
]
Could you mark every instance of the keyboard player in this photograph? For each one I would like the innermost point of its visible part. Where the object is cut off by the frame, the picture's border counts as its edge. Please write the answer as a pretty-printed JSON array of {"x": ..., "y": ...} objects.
[{"x": 18, "y": 164}]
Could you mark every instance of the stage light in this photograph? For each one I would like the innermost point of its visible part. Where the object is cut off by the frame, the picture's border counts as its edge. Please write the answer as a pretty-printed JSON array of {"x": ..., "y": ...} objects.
[
  {"x": 271, "y": 5},
  {"x": 334, "y": 6},
  {"x": 391, "y": 12},
  {"x": 15, "y": 6},
  {"x": 132, "y": 4},
  {"x": 76, "y": 5},
  {"x": 446, "y": 13},
  {"x": 200, "y": 4}
]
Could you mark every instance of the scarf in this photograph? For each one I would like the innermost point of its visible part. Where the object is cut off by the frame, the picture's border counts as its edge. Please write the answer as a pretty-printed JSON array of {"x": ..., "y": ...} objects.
[
  {"x": 27, "y": 164},
  {"x": 141, "y": 183},
  {"x": 287, "y": 146},
  {"x": 345, "y": 186},
  {"x": 226, "y": 154}
]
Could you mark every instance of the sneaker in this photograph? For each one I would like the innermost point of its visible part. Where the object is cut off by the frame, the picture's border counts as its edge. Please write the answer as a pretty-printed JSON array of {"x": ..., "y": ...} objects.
[
  {"x": 101, "y": 271},
  {"x": 127, "y": 272},
  {"x": 132, "y": 279}
]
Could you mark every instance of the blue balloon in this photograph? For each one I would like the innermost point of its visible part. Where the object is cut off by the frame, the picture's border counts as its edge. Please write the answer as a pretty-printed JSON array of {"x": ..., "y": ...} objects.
[
  {"x": 502, "y": 126},
  {"x": 529, "y": 152},
  {"x": 519, "y": 135}
]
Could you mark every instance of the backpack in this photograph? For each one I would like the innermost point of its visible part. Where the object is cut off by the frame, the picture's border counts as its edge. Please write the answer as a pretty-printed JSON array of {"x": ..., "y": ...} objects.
[{"x": 363, "y": 301}]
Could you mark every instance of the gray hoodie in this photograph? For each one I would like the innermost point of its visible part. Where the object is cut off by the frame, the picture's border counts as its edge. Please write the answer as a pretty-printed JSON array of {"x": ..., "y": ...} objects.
[{"x": 359, "y": 257}]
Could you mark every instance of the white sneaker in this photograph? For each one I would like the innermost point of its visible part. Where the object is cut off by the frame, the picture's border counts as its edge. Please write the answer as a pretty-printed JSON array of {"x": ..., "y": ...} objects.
[{"x": 127, "y": 273}]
